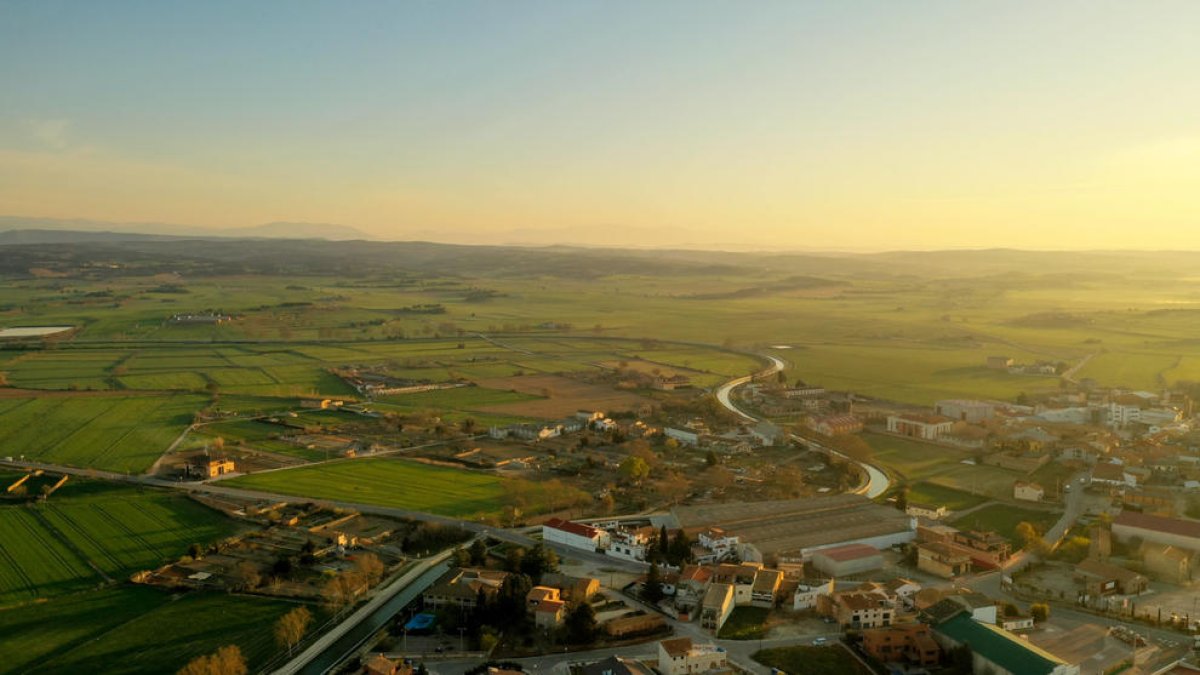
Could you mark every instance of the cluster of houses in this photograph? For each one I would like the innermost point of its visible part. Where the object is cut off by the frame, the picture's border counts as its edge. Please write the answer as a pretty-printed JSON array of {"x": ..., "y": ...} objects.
[
  {"x": 631, "y": 539},
  {"x": 463, "y": 587},
  {"x": 371, "y": 381},
  {"x": 580, "y": 421}
]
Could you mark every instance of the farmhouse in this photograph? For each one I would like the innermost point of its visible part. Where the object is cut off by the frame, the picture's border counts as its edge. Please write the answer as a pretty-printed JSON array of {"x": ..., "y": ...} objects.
[
  {"x": 921, "y": 510},
  {"x": 1101, "y": 578},
  {"x": 924, "y": 427},
  {"x": 841, "y": 561},
  {"x": 1112, "y": 474},
  {"x": 1030, "y": 492},
  {"x": 717, "y": 606},
  {"x": 717, "y": 545},
  {"x": 1169, "y": 563},
  {"x": 999, "y": 362},
  {"x": 942, "y": 559},
  {"x": 575, "y": 535},
  {"x": 461, "y": 587},
  {"x": 1183, "y": 534},
  {"x": 866, "y": 607},
  {"x": 549, "y": 614}
]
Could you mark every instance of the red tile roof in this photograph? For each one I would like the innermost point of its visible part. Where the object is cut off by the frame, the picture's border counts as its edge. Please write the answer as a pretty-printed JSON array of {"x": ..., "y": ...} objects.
[{"x": 573, "y": 528}]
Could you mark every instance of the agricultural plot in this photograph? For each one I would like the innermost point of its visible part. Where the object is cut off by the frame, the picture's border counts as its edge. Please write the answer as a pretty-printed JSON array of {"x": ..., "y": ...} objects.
[
  {"x": 387, "y": 482},
  {"x": 460, "y": 398},
  {"x": 911, "y": 459},
  {"x": 104, "y": 432},
  {"x": 88, "y": 532},
  {"x": 940, "y": 495},
  {"x": 1133, "y": 370},
  {"x": 124, "y": 629},
  {"x": 557, "y": 397},
  {"x": 1004, "y": 518}
]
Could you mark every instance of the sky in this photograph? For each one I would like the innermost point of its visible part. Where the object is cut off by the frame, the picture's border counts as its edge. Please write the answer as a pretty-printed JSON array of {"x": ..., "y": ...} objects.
[{"x": 792, "y": 125}]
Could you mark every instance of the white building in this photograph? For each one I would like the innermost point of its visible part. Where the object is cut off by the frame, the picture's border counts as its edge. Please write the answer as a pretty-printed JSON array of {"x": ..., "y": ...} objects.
[
  {"x": 575, "y": 535},
  {"x": 808, "y": 592},
  {"x": 719, "y": 543},
  {"x": 627, "y": 545},
  {"x": 924, "y": 427},
  {"x": 930, "y": 511},
  {"x": 684, "y": 437}
]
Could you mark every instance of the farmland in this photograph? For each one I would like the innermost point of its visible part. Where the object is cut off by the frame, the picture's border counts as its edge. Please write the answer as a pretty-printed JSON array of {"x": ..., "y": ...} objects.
[
  {"x": 105, "y": 432},
  {"x": 400, "y": 484},
  {"x": 1003, "y": 519},
  {"x": 89, "y": 533},
  {"x": 123, "y": 628}
]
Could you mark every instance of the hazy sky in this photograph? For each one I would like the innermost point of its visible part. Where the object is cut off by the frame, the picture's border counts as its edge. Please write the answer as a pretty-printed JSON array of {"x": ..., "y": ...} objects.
[{"x": 833, "y": 125}]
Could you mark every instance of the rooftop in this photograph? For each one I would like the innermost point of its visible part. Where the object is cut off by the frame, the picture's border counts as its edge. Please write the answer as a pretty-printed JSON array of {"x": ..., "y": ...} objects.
[
  {"x": 1183, "y": 528},
  {"x": 677, "y": 646},
  {"x": 999, "y": 646},
  {"x": 573, "y": 528}
]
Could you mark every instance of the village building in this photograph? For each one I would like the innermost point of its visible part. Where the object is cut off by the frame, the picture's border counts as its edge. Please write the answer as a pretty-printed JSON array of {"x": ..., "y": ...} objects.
[
  {"x": 572, "y": 588},
  {"x": 807, "y": 593},
  {"x": 549, "y": 614},
  {"x": 461, "y": 587},
  {"x": 1116, "y": 475},
  {"x": 923, "y": 427},
  {"x": 681, "y": 656},
  {"x": 717, "y": 545},
  {"x": 1101, "y": 578},
  {"x": 539, "y": 593},
  {"x": 717, "y": 606},
  {"x": 922, "y": 510},
  {"x": 616, "y": 665},
  {"x": 908, "y": 643},
  {"x": 213, "y": 468},
  {"x": 942, "y": 559},
  {"x": 835, "y": 425},
  {"x": 574, "y": 535},
  {"x": 1029, "y": 492},
  {"x": 1168, "y": 563},
  {"x": 962, "y": 410},
  {"x": 997, "y": 651},
  {"x": 842, "y": 561},
  {"x": 766, "y": 587},
  {"x": 1183, "y": 534},
  {"x": 864, "y": 607}
]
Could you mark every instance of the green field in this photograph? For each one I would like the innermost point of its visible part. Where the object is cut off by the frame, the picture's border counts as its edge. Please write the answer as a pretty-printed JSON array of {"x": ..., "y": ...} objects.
[
  {"x": 811, "y": 660},
  {"x": 1004, "y": 518},
  {"x": 940, "y": 495},
  {"x": 387, "y": 482},
  {"x": 125, "y": 434},
  {"x": 88, "y": 533},
  {"x": 133, "y": 629}
]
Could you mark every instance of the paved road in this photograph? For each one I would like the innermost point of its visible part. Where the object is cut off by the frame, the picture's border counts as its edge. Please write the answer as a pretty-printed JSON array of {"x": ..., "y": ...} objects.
[{"x": 877, "y": 480}]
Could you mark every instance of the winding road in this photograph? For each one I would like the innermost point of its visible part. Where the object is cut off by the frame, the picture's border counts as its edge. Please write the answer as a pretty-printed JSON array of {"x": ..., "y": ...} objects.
[{"x": 877, "y": 480}]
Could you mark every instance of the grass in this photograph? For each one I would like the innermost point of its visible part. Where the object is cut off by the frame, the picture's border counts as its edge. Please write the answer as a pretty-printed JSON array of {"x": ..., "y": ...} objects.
[
  {"x": 134, "y": 630},
  {"x": 811, "y": 660},
  {"x": 102, "y": 432},
  {"x": 396, "y": 483},
  {"x": 88, "y": 531},
  {"x": 954, "y": 500},
  {"x": 1004, "y": 518},
  {"x": 912, "y": 459},
  {"x": 745, "y": 623}
]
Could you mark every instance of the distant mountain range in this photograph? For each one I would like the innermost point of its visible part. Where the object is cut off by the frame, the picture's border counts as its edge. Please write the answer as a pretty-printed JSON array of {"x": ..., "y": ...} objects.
[{"x": 45, "y": 227}]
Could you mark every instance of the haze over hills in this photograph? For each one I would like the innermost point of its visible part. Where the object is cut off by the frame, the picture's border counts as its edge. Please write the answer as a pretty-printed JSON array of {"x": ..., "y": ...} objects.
[{"x": 274, "y": 230}]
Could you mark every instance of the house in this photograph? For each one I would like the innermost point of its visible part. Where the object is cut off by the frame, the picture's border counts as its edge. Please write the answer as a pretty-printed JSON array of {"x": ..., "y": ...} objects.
[
  {"x": 921, "y": 510},
  {"x": 460, "y": 587},
  {"x": 718, "y": 544},
  {"x": 965, "y": 410},
  {"x": 575, "y": 535},
  {"x": 740, "y": 578},
  {"x": 1030, "y": 492},
  {"x": 549, "y": 614},
  {"x": 859, "y": 608},
  {"x": 217, "y": 467},
  {"x": 943, "y": 560},
  {"x": 766, "y": 586},
  {"x": 382, "y": 665},
  {"x": 1156, "y": 502},
  {"x": 573, "y": 589},
  {"x": 681, "y": 656},
  {"x": 629, "y": 544},
  {"x": 904, "y": 590},
  {"x": 908, "y": 643},
  {"x": 671, "y": 382},
  {"x": 987, "y": 549},
  {"x": 1176, "y": 532},
  {"x": 1101, "y": 578},
  {"x": 997, "y": 651},
  {"x": 616, "y": 665},
  {"x": 1112, "y": 474},
  {"x": 924, "y": 427},
  {"x": 716, "y": 606},
  {"x": 1168, "y": 563},
  {"x": 841, "y": 561},
  {"x": 835, "y": 425},
  {"x": 537, "y": 594},
  {"x": 807, "y": 593}
]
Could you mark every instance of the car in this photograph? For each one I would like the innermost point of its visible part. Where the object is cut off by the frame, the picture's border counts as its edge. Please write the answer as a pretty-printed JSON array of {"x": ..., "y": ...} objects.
[{"x": 820, "y": 641}]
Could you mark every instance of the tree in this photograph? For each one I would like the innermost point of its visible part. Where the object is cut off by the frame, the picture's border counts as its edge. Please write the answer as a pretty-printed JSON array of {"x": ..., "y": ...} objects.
[
  {"x": 711, "y": 458},
  {"x": 462, "y": 558},
  {"x": 513, "y": 558},
  {"x": 246, "y": 576},
  {"x": 283, "y": 567},
  {"x": 291, "y": 627},
  {"x": 340, "y": 591},
  {"x": 1029, "y": 537},
  {"x": 195, "y": 551},
  {"x": 902, "y": 498},
  {"x": 369, "y": 568},
  {"x": 681, "y": 548},
  {"x": 478, "y": 552},
  {"x": 634, "y": 469},
  {"x": 581, "y": 624},
  {"x": 652, "y": 590},
  {"x": 1040, "y": 611},
  {"x": 538, "y": 561},
  {"x": 225, "y": 661}
]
